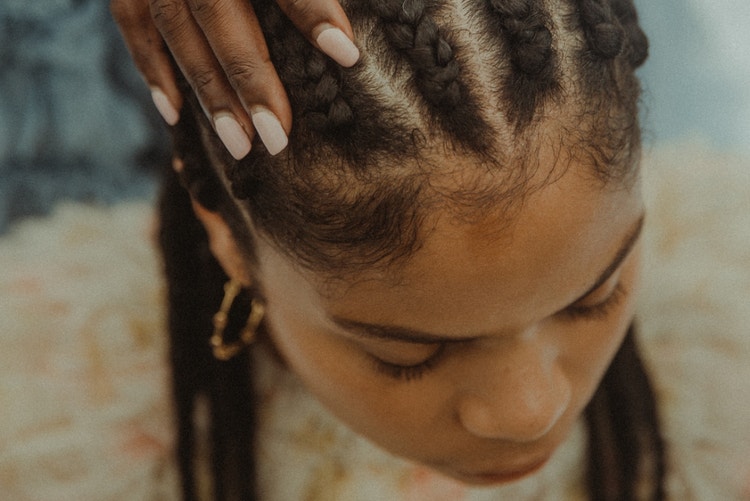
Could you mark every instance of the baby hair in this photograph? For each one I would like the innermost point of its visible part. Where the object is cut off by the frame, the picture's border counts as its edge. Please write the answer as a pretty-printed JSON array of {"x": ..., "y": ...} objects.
[{"x": 491, "y": 81}]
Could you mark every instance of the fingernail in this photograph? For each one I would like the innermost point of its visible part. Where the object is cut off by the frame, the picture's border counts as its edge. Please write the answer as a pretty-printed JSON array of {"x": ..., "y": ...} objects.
[
  {"x": 269, "y": 129},
  {"x": 168, "y": 112},
  {"x": 336, "y": 44},
  {"x": 232, "y": 135}
]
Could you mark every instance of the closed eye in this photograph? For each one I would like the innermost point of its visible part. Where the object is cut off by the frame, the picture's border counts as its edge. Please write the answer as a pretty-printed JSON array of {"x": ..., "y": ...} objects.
[
  {"x": 597, "y": 310},
  {"x": 409, "y": 372}
]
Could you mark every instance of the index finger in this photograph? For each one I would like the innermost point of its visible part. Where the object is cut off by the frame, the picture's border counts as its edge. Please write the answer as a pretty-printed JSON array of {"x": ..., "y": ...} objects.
[{"x": 237, "y": 41}]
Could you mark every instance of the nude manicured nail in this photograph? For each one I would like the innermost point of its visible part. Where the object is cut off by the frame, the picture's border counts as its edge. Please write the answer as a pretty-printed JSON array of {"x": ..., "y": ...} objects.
[
  {"x": 337, "y": 45},
  {"x": 168, "y": 112},
  {"x": 233, "y": 136},
  {"x": 269, "y": 129}
]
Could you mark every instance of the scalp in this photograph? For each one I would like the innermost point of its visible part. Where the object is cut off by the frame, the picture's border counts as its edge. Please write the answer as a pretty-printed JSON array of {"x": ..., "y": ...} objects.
[{"x": 489, "y": 83}]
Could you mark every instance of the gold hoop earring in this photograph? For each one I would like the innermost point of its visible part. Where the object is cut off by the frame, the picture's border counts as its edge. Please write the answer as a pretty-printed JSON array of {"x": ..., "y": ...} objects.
[{"x": 221, "y": 349}]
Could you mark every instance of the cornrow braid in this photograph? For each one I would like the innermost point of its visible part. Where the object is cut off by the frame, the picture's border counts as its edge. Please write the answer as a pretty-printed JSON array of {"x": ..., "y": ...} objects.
[
  {"x": 605, "y": 80},
  {"x": 331, "y": 111},
  {"x": 604, "y": 34},
  {"x": 334, "y": 108},
  {"x": 318, "y": 78},
  {"x": 523, "y": 24},
  {"x": 411, "y": 30},
  {"x": 625, "y": 11}
]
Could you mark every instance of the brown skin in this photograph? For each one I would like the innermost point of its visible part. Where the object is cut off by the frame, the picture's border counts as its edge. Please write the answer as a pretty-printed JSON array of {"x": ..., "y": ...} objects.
[
  {"x": 219, "y": 47},
  {"x": 494, "y": 407}
]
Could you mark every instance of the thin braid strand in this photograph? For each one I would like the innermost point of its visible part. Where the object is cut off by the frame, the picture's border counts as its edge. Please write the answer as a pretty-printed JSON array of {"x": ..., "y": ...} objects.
[
  {"x": 603, "y": 33},
  {"x": 523, "y": 25},
  {"x": 624, "y": 10}
]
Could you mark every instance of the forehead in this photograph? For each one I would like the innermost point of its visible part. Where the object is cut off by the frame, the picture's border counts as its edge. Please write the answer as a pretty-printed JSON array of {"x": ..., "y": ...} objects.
[{"x": 483, "y": 273}]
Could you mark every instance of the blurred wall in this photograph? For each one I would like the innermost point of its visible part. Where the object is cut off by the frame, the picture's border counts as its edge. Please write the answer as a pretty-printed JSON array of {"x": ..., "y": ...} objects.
[
  {"x": 697, "y": 79},
  {"x": 75, "y": 119}
]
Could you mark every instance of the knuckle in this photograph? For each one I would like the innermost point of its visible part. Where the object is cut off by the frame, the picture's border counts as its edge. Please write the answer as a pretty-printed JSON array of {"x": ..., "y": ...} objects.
[
  {"x": 202, "y": 81},
  {"x": 300, "y": 8},
  {"x": 211, "y": 14},
  {"x": 203, "y": 8},
  {"x": 305, "y": 13},
  {"x": 168, "y": 15},
  {"x": 243, "y": 72}
]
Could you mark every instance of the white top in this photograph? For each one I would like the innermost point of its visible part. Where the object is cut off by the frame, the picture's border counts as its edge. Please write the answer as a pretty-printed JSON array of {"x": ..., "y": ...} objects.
[{"x": 83, "y": 377}]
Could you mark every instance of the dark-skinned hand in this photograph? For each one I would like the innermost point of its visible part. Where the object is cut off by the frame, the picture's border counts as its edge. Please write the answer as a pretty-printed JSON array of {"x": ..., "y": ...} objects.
[{"x": 219, "y": 47}]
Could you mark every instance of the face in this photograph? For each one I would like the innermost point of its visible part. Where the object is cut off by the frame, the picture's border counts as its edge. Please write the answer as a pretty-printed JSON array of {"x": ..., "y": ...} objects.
[{"x": 478, "y": 360}]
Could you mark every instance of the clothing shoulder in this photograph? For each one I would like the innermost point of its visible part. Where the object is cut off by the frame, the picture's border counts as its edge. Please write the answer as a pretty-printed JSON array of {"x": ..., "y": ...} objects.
[{"x": 694, "y": 314}]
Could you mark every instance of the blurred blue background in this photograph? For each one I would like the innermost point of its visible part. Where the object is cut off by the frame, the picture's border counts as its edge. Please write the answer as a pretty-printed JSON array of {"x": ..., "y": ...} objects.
[
  {"x": 76, "y": 121},
  {"x": 697, "y": 79},
  {"x": 75, "y": 118}
]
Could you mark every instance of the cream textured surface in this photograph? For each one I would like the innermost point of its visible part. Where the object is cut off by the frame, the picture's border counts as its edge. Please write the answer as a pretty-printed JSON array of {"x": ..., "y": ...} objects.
[
  {"x": 84, "y": 399},
  {"x": 83, "y": 395}
]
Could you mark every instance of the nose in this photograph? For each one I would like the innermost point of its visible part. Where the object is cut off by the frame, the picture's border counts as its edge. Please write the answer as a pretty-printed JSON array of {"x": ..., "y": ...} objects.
[{"x": 518, "y": 398}]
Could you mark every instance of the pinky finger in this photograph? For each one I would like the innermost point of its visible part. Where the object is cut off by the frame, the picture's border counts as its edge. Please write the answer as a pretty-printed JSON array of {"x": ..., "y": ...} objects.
[{"x": 149, "y": 54}]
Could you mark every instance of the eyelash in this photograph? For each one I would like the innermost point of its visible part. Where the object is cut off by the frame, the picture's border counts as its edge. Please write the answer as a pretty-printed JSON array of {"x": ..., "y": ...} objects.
[
  {"x": 415, "y": 372},
  {"x": 409, "y": 372},
  {"x": 597, "y": 311}
]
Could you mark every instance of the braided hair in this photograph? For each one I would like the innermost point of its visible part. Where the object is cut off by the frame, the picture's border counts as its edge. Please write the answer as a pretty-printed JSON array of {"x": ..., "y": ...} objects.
[{"x": 480, "y": 79}]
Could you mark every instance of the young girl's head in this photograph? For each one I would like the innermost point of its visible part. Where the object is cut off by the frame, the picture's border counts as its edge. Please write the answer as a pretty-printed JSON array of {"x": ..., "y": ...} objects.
[{"x": 448, "y": 248}]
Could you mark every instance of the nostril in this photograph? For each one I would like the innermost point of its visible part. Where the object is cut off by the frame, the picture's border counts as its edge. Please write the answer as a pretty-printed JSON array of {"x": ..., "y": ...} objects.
[
  {"x": 522, "y": 414},
  {"x": 541, "y": 418}
]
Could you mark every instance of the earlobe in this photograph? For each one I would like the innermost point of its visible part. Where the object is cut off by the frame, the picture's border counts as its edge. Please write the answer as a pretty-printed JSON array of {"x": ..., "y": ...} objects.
[{"x": 222, "y": 245}]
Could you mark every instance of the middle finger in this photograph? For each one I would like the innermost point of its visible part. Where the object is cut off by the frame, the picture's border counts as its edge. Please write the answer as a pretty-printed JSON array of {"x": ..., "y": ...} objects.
[{"x": 232, "y": 30}]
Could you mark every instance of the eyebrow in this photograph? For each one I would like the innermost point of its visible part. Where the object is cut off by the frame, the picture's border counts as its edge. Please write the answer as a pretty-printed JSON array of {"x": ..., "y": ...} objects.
[
  {"x": 404, "y": 334},
  {"x": 625, "y": 248}
]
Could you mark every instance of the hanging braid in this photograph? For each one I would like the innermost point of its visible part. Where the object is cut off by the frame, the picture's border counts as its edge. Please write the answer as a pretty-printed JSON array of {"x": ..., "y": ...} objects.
[
  {"x": 626, "y": 456},
  {"x": 193, "y": 294},
  {"x": 194, "y": 287},
  {"x": 352, "y": 189}
]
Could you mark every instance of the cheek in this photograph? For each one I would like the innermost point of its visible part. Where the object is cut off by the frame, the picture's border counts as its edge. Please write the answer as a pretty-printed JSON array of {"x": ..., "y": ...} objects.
[
  {"x": 344, "y": 380},
  {"x": 314, "y": 357},
  {"x": 332, "y": 369},
  {"x": 593, "y": 345}
]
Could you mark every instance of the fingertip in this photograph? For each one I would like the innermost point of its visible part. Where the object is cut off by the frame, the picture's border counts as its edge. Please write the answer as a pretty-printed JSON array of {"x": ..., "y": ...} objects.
[
  {"x": 234, "y": 137},
  {"x": 164, "y": 106},
  {"x": 338, "y": 46},
  {"x": 270, "y": 130}
]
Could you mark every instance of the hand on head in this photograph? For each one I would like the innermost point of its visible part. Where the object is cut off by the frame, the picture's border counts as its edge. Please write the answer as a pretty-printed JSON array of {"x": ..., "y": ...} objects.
[
  {"x": 442, "y": 248},
  {"x": 221, "y": 50}
]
